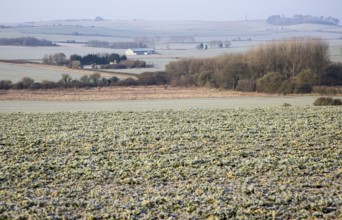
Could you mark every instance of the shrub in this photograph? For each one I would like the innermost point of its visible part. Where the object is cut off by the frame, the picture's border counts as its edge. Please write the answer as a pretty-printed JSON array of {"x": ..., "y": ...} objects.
[
  {"x": 133, "y": 63},
  {"x": 113, "y": 66},
  {"x": 303, "y": 88},
  {"x": 337, "y": 102},
  {"x": 286, "y": 105},
  {"x": 270, "y": 83},
  {"x": 27, "y": 82},
  {"x": 46, "y": 84},
  {"x": 246, "y": 85},
  {"x": 35, "y": 86},
  {"x": 5, "y": 84},
  {"x": 323, "y": 101},
  {"x": 19, "y": 85},
  {"x": 287, "y": 87},
  {"x": 333, "y": 76},
  {"x": 326, "y": 90},
  {"x": 206, "y": 78},
  {"x": 152, "y": 78},
  {"x": 113, "y": 80},
  {"x": 128, "y": 82}
]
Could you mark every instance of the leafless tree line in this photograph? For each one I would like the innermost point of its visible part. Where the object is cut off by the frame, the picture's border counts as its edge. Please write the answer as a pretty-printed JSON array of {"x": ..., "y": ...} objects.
[{"x": 286, "y": 66}]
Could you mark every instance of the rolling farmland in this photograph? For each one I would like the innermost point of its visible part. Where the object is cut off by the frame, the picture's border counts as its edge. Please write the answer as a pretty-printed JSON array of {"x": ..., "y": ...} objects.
[{"x": 160, "y": 34}]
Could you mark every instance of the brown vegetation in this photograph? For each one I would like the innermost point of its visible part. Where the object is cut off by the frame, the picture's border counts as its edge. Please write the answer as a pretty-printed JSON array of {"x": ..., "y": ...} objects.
[{"x": 118, "y": 93}]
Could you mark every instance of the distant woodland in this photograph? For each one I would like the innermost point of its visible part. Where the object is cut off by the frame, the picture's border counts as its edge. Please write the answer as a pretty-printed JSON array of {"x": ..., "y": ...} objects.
[
  {"x": 302, "y": 19},
  {"x": 25, "y": 41}
]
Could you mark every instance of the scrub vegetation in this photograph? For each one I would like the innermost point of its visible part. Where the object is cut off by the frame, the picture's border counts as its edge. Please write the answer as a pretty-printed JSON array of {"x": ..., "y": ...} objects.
[{"x": 196, "y": 164}]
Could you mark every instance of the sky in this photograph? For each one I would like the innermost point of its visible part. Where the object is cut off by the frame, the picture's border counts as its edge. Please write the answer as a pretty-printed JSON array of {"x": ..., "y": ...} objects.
[{"x": 208, "y": 10}]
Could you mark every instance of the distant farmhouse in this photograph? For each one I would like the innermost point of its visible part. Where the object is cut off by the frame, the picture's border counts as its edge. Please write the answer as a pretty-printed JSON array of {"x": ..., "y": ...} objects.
[{"x": 140, "y": 51}]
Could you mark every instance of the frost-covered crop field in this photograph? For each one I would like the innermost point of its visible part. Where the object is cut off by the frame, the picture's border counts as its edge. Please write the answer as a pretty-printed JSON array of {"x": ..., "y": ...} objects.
[{"x": 261, "y": 163}]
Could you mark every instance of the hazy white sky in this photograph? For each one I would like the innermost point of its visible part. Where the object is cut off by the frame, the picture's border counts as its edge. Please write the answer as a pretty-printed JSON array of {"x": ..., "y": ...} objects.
[{"x": 211, "y": 10}]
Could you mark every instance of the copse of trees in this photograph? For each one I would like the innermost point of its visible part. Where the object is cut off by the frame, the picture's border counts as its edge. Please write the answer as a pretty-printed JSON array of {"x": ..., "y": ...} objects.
[
  {"x": 99, "y": 59},
  {"x": 287, "y": 66},
  {"x": 76, "y": 61},
  {"x": 302, "y": 19},
  {"x": 58, "y": 59},
  {"x": 26, "y": 41}
]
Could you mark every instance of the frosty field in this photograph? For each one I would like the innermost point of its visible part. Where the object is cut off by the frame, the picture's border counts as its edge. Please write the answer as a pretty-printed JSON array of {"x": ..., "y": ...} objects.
[
  {"x": 261, "y": 163},
  {"x": 154, "y": 104}
]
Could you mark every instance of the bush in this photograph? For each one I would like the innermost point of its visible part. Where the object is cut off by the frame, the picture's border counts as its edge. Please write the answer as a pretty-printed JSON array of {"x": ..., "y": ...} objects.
[
  {"x": 113, "y": 66},
  {"x": 333, "y": 76},
  {"x": 46, "y": 84},
  {"x": 5, "y": 84},
  {"x": 337, "y": 102},
  {"x": 270, "y": 83},
  {"x": 133, "y": 63},
  {"x": 152, "y": 78},
  {"x": 323, "y": 101},
  {"x": 287, "y": 87},
  {"x": 286, "y": 105},
  {"x": 128, "y": 82},
  {"x": 327, "y": 90},
  {"x": 35, "y": 86},
  {"x": 206, "y": 78},
  {"x": 303, "y": 88},
  {"x": 246, "y": 85}
]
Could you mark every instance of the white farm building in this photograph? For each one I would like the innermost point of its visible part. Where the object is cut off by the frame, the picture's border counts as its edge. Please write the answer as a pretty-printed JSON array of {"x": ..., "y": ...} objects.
[{"x": 140, "y": 51}]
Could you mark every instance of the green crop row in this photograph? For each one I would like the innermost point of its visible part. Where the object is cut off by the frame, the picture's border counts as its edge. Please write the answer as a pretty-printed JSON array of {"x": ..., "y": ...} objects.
[{"x": 280, "y": 163}]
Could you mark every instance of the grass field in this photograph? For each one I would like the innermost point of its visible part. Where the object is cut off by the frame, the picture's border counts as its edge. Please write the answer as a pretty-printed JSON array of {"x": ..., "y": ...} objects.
[{"x": 261, "y": 163}]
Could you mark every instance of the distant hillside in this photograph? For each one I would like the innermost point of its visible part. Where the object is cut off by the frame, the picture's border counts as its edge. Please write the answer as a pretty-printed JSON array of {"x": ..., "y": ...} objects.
[{"x": 301, "y": 19}]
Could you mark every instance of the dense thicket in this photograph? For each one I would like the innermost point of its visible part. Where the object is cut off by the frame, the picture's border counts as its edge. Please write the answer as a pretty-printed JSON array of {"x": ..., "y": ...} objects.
[
  {"x": 25, "y": 41},
  {"x": 302, "y": 19},
  {"x": 288, "y": 66}
]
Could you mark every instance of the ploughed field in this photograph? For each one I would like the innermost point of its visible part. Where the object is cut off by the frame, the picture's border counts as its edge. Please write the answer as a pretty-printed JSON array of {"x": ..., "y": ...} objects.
[{"x": 280, "y": 163}]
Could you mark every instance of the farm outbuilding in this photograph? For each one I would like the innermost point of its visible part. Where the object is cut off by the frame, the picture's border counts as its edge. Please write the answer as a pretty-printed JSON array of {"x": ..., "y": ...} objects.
[{"x": 140, "y": 51}]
